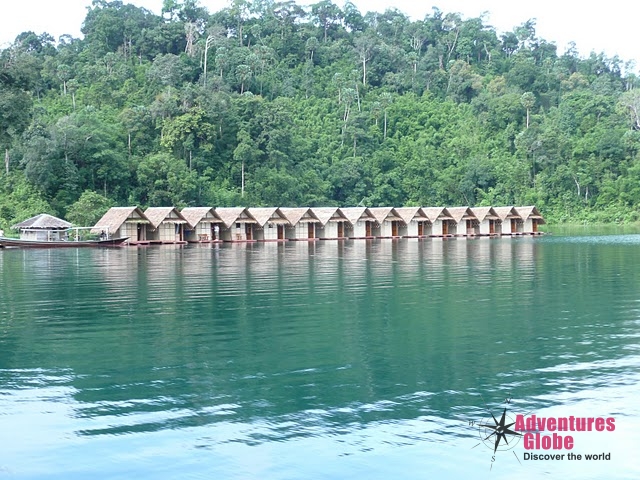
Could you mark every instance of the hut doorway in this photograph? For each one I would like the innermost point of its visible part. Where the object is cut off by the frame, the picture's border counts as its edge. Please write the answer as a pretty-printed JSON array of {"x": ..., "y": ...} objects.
[
  {"x": 445, "y": 228},
  {"x": 367, "y": 229},
  {"x": 492, "y": 226},
  {"x": 280, "y": 232},
  {"x": 340, "y": 229},
  {"x": 141, "y": 233},
  {"x": 310, "y": 230},
  {"x": 534, "y": 225},
  {"x": 420, "y": 229},
  {"x": 514, "y": 225},
  {"x": 213, "y": 232},
  {"x": 394, "y": 228},
  {"x": 247, "y": 231}
]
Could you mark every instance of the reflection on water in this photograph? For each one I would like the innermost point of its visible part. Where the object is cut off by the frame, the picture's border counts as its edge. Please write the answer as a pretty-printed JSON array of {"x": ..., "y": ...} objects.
[{"x": 321, "y": 359}]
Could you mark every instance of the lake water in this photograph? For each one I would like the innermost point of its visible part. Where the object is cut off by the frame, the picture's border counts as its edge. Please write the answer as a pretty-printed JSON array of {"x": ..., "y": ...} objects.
[{"x": 327, "y": 360}]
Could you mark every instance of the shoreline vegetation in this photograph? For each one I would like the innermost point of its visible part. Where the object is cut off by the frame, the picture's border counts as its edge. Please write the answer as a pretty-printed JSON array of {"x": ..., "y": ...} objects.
[{"x": 272, "y": 103}]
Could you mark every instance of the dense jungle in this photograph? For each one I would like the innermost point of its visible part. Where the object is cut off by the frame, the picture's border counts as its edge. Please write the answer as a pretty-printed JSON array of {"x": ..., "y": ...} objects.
[{"x": 268, "y": 103}]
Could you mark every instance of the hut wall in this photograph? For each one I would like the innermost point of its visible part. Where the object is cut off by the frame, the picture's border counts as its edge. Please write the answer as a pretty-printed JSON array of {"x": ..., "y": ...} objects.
[
  {"x": 427, "y": 228},
  {"x": 485, "y": 227},
  {"x": 269, "y": 232},
  {"x": 386, "y": 229},
  {"x": 300, "y": 231},
  {"x": 411, "y": 229},
  {"x": 239, "y": 232},
  {"x": 527, "y": 226},
  {"x": 330, "y": 230},
  {"x": 436, "y": 228},
  {"x": 359, "y": 229}
]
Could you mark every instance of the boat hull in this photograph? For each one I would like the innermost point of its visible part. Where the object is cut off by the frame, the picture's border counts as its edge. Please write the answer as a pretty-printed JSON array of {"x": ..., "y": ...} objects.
[{"x": 14, "y": 242}]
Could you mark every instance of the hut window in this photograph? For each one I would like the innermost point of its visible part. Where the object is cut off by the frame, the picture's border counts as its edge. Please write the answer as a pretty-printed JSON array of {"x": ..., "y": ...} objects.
[
  {"x": 237, "y": 225},
  {"x": 271, "y": 225}
]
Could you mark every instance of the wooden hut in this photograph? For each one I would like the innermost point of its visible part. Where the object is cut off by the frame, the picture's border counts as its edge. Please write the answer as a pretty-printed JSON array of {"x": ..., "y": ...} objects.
[
  {"x": 531, "y": 218},
  {"x": 332, "y": 223},
  {"x": 203, "y": 224},
  {"x": 239, "y": 225},
  {"x": 442, "y": 223},
  {"x": 389, "y": 221},
  {"x": 43, "y": 227},
  {"x": 166, "y": 225},
  {"x": 415, "y": 222},
  {"x": 487, "y": 220},
  {"x": 270, "y": 225},
  {"x": 302, "y": 223},
  {"x": 128, "y": 222},
  {"x": 362, "y": 223},
  {"x": 466, "y": 222},
  {"x": 510, "y": 221}
]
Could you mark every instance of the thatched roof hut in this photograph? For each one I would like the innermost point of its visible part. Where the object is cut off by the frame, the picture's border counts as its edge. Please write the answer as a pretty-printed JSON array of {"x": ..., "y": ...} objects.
[
  {"x": 437, "y": 213},
  {"x": 409, "y": 214},
  {"x": 158, "y": 215},
  {"x": 268, "y": 215},
  {"x": 461, "y": 213},
  {"x": 484, "y": 213},
  {"x": 329, "y": 214},
  {"x": 505, "y": 213},
  {"x": 299, "y": 215},
  {"x": 385, "y": 214},
  {"x": 530, "y": 213},
  {"x": 353, "y": 214},
  {"x": 229, "y": 215},
  {"x": 195, "y": 215},
  {"x": 117, "y": 216},
  {"x": 43, "y": 221}
]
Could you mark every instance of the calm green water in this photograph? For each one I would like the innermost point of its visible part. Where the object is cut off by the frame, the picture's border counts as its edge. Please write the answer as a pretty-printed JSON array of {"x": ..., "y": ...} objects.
[{"x": 354, "y": 360}]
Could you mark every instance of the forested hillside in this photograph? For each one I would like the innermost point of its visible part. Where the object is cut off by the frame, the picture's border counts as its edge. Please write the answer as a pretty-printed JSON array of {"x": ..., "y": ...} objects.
[{"x": 271, "y": 104}]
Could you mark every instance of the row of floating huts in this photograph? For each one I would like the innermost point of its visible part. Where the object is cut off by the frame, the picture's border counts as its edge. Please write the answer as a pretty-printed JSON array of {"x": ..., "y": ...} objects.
[{"x": 239, "y": 224}]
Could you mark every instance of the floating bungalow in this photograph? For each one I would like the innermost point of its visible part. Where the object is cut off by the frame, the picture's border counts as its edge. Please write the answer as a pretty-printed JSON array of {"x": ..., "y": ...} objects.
[
  {"x": 362, "y": 223},
  {"x": 331, "y": 224},
  {"x": 43, "y": 227},
  {"x": 270, "y": 223},
  {"x": 510, "y": 221},
  {"x": 389, "y": 221},
  {"x": 415, "y": 222},
  {"x": 166, "y": 225},
  {"x": 302, "y": 223},
  {"x": 203, "y": 225},
  {"x": 466, "y": 222},
  {"x": 442, "y": 223},
  {"x": 531, "y": 218},
  {"x": 239, "y": 225},
  {"x": 128, "y": 222},
  {"x": 487, "y": 221}
]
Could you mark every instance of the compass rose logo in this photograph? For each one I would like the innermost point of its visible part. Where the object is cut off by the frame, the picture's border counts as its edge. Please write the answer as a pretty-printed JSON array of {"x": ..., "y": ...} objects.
[{"x": 497, "y": 434}]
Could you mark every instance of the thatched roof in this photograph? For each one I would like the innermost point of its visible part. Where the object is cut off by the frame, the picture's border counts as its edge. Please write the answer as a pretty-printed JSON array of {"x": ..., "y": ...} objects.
[
  {"x": 195, "y": 215},
  {"x": 333, "y": 214},
  {"x": 353, "y": 214},
  {"x": 116, "y": 216},
  {"x": 484, "y": 213},
  {"x": 506, "y": 212},
  {"x": 267, "y": 215},
  {"x": 297, "y": 215},
  {"x": 436, "y": 213},
  {"x": 158, "y": 215},
  {"x": 530, "y": 212},
  {"x": 229, "y": 215},
  {"x": 43, "y": 221},
  {"x": 411, "y": 213},
  {"x": 461, "y": 213},
  {"x": 384, "y": 214}
]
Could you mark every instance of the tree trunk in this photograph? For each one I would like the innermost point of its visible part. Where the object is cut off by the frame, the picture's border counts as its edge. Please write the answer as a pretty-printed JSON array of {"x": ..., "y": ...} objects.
[
  {"x": 385, "y": 125},
  {"x": 6, "y": 160},
  {"x": 242, "y": 181}
]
